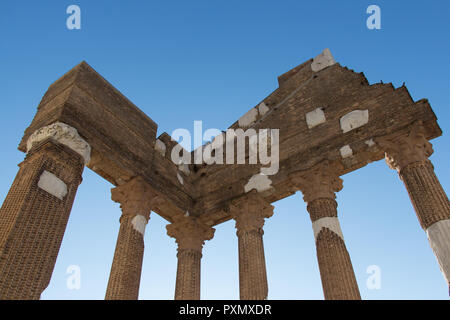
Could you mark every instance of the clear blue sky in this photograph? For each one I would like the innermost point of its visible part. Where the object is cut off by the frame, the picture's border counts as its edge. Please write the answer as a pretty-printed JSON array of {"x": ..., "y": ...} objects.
[{"x": 181, "y": 61}]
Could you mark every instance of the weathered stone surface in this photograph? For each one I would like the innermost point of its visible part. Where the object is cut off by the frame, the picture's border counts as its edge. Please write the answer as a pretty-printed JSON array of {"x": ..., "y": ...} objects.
[
  {"x": 354, "y": 120},
  {"x": 63, "y": 134},
  {"x": 315, "y": 117},
  {"x": 323, "y": 60},
  {"x": 52, "y": 184}
]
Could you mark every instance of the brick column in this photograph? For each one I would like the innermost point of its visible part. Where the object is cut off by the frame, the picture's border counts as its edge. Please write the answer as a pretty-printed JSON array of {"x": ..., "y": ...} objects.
[
  {"x": 190, "y": 236},
  {"x": 136, "y": 199},
  {"x": 318, "y": 186},
  {"x": 249, "y": 213},
  {"x": 34, "y": 215},
  {"x": 408, "y": 154}
]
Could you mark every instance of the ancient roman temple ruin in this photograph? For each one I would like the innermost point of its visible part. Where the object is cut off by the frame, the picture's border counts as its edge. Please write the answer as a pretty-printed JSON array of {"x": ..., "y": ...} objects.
[{"x": 331, "y": 121}]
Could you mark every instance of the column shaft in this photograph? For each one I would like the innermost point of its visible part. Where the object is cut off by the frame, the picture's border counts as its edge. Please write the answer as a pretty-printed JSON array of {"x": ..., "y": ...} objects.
[
  {"x": 336, "y": 270},
  {"x": 408, "y": 154},
  {"x": 126, "y": 269},
  {"x": 426, "y": 193},
  {"x": 432, "y": 208},
  {"x": 136, "y": 199},
  {"x": 249, "y": 213},
  {"x": 319, "y": 185},
  {"x": 188, "y": 275},
  {"x": 252, "y": 266},
  {"x": 33, "y": 218}
]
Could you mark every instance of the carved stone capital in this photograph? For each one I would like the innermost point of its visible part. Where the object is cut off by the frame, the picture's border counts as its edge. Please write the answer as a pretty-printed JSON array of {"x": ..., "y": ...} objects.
[
  {"x": 249, "y": 212},
  {"x": 136, "y": 197},
  {"x": 189, "y": 233},
  {"x": 64, "y": 134},
  {"x": 321, "y": 181},
  {"x": 407, "y": 148}
]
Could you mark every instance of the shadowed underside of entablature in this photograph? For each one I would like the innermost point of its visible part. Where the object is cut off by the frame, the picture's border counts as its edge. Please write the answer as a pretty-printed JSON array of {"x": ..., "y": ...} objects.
[{"x": 323, "y": 112}]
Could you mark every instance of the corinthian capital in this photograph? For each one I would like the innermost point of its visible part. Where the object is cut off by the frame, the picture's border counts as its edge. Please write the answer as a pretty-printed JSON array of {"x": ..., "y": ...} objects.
[
  {"x": 249, "y": 212},
  {"x": 136, "y": 197},
  {"x": 64, "y": 134},
  {"x": 402, "y": 150},
  {"x": 321, "y": 181},
  {"x": 189, "y": 233}
]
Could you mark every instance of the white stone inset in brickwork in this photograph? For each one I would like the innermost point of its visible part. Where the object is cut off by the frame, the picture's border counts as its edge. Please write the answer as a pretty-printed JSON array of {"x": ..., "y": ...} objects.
[
  {"x": 370, "y": 143},
  {"x": 247, "y": 119},
  {"x": 346, "y": 151},
  {"x": 263, "y": 109},
  {"x": 160, "y": 147},
  {"x": 260, "y": 182},
  {"x": 139, "y": 222},
  {"x": 63, "y": 134},
  {"x": 53, "y": 185},
  {"x": 354, "y": 119},
  {"x": 323, "y": 60},
  {"x": 439, "y": 237},
  {"x": 331, "y": 223},
  {"x": 180, "y": 178},
  {"x": 315, "y": 117}
]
